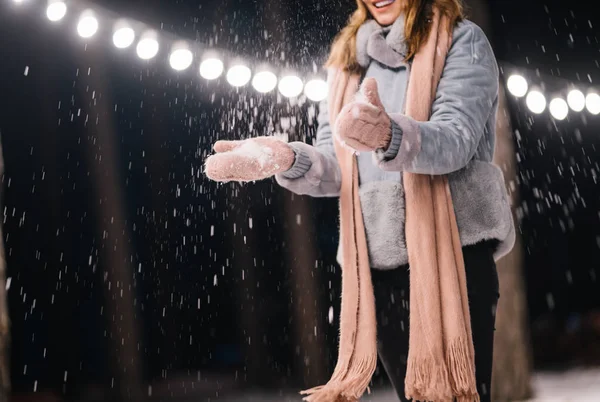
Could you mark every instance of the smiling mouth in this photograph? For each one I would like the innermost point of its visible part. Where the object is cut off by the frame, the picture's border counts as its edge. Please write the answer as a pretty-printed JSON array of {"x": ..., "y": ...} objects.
[{"x": 384, "y": 3}]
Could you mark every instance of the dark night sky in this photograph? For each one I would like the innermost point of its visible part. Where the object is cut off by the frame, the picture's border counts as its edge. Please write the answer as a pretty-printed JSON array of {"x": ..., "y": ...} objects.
[{"x": 105, "y": 206}]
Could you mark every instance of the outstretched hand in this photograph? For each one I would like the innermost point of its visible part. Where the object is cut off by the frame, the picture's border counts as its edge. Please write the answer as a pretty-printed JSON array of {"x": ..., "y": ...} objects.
[
  {"x": 249, "y": 160},
  {"x": 363, "y": 124}
]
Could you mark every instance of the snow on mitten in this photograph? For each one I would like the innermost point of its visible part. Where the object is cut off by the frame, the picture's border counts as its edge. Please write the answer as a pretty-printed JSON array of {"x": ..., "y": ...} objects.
[
  {"x": 249, "y": 160},
  {"x": 363, "y": 124}
]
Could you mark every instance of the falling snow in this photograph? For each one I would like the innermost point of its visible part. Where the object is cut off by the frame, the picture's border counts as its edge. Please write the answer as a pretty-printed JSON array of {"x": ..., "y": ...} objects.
[{"x": 123, "y": 258}]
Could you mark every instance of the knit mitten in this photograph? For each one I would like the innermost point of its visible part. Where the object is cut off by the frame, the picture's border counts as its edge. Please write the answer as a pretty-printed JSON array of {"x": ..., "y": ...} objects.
[
  {"x": 363, "y": 124},
  {"x": 249, "y": 160}
]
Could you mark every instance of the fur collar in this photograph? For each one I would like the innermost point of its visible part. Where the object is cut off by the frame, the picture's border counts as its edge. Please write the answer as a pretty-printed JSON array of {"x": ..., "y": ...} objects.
[{"x": 384, "y": 44}]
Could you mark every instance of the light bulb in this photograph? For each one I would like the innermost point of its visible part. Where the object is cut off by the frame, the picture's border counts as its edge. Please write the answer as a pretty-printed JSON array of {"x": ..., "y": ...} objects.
[
  {"x": 181, "y": 59},
  {"x": 536, "y": 102},
  {"x": 576, "y": 100},
  {"x": 87, "y": 26},
  {"x": 238, "y": 75},
  {"x": 316, "y": 90},
  {"x": 56, "y": 11},
  {"x": 123, "y": 37},
  {"x": 290, "y": 86},
  {"x": 592, "y": 103},
  {"x": 517, "y": 85},
  {"x": 211, "y": 68},
  {"x": 264, "y": 82},
  {"x": 559, "y": 109},
  {"x": 147, "y": 48}
]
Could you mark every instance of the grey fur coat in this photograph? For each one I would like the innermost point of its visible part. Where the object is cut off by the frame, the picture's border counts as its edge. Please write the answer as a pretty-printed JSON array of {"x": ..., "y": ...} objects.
[{"x": 458, "y": 140}]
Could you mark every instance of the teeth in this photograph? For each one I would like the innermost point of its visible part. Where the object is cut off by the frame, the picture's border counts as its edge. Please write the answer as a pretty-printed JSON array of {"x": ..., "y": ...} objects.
[{"x": 383, "y": 3}]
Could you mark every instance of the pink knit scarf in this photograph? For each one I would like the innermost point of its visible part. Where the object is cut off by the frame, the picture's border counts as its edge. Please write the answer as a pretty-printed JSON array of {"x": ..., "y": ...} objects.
[{"x": 441, "y": 357}]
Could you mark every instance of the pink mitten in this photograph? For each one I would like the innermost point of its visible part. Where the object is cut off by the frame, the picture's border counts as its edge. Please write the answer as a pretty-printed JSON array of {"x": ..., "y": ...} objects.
[
  {"x": 249, "y": 160},
  {"x": 363, "y": 124}
]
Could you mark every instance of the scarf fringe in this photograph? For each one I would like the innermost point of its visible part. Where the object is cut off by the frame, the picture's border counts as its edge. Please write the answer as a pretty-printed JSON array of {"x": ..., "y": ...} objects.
[
  {"x": 468, "y": 398},
  {"x": 459, "y": 361},
  {"x": 351, "y": 388},
  {"x": 427, "y": 380}
]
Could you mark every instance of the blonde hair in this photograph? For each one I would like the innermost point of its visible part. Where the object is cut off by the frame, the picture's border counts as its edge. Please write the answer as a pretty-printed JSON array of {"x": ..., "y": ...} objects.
[{"x": 416, "y": 29}]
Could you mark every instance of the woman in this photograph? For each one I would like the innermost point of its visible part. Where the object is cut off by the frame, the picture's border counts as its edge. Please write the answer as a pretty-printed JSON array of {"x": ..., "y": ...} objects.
[{"x": 410, "y": 156}]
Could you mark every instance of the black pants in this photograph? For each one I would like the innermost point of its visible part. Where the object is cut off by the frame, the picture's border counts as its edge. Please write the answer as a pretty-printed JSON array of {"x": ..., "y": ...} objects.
[{"x": 392, "y": 305}]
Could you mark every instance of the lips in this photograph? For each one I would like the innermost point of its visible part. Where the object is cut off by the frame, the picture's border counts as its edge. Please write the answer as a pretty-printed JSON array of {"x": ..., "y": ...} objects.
[{"x": 383, "y": 3}]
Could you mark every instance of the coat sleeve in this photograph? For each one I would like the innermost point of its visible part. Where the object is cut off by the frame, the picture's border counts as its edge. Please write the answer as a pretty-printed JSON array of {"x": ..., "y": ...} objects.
[
  {"x": 467, "y": 95},
  {"x": 316, "y": 171}
]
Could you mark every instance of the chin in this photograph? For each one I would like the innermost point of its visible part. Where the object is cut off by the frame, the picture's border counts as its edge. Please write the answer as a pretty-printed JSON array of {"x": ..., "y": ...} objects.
[{"x": 385, "y": 20}]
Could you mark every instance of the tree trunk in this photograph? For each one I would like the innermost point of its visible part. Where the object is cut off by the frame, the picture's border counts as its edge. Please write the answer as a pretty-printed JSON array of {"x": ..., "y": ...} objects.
[
  {"x": 311, "y": 359},
  {"x": 4, "y": 317},
  {"x": 511, "y": 376},
  {"x": 512, "y": 350}
]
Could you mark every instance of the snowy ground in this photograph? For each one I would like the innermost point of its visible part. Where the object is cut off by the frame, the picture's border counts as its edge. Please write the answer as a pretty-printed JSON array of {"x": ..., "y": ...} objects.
[{"x": 573, "y": 386}]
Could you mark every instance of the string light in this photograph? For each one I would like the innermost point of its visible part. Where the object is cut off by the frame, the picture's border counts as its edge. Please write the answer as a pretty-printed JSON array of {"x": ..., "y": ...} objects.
[
  {"x": 291, "y": 85},
  {"x": 558, "y": 107}
]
